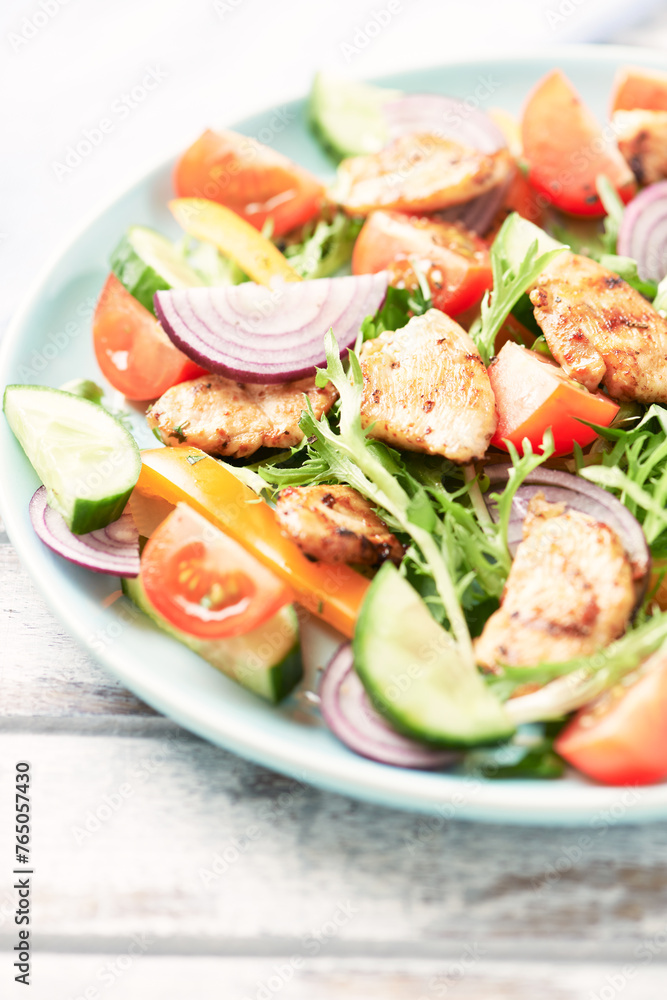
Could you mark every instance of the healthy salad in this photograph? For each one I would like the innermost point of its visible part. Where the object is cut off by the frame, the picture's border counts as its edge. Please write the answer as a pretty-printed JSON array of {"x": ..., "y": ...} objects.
[{"x": 425, "y": 403}]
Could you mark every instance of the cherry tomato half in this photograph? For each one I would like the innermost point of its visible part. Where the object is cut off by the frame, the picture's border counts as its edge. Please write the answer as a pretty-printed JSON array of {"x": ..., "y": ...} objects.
[
  {"x": 204, "y": 582},
  {"x": 455, "y": 262}
]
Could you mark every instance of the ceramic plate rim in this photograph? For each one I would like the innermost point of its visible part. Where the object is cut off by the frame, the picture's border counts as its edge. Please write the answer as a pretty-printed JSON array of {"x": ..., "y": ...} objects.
[{"x": 557, "y": 803}]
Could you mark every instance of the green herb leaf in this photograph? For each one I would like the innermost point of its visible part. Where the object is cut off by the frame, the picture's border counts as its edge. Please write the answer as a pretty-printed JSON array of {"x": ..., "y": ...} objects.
[{"x": 398, "y": 308}]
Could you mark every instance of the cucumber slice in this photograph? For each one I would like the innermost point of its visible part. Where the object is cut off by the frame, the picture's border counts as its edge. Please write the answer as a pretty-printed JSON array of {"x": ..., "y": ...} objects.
[
  {"x": 266, "y": 661},
  {"x": 520, "y": 235},
  {"x": 347, "y": 116},
  {"x": 87, "y": 460},
  {"x": 410, "y": 669},
  {"x": 146, "y": 262}
]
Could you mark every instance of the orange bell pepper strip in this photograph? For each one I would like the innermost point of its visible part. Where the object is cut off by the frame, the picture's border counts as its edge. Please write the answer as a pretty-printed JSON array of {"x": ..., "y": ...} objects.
[
  {"x": 333, "y": 592},
  {"x": 234, "y": 237}
]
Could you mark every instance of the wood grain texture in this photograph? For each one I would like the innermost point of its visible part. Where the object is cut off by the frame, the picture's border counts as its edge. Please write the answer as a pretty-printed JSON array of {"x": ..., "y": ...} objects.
[
  {"x": 125, "y": 975},
  {"x": 43, "y": 672},
  {"x": 171, "y": 836}
]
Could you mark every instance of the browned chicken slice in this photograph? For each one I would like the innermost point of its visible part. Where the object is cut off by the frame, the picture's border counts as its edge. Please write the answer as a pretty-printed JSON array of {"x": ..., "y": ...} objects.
[
  {"x": 231, "y": 418},
  {"x": 569, "y": 592},
  {"x": 418, "y": 173},
  {"x": 642, "y": 139},
  {"x": 426, "y": 389},
  {"x": 601, "y": 330},
  {"x": 336, "y": 524}
]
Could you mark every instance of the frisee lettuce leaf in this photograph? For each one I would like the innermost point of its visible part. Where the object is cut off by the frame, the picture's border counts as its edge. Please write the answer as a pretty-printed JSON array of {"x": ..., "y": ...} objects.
[
  {"x": 326, "y": 248},
  {"x": 633, "y": 466},
  {"x": 457, "y": 558},
  {"x": 570, "y": 685}
]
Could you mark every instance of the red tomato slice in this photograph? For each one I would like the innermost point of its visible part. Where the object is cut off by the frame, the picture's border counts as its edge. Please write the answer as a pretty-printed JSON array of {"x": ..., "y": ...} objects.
[
  {"x": 635, "y": 87},
  {"x": 622, "y": 738},
  {"x": 533, "y": 394},
  {"x": 566, "y": 149},
  {"x": 132, "y": 349},
  {"x": 204, "y": 582},
  {"x": 253, "y": 180},
  {"x": 455, "y": 262}
]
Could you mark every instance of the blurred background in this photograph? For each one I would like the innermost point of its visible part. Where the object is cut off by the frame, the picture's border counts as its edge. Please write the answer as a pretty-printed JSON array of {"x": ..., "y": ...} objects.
[{"x": 162, "y": 70}]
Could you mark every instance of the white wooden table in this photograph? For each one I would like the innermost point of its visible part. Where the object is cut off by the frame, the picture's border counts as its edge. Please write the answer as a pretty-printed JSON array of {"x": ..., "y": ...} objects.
[{"x": 167, "y": 868}]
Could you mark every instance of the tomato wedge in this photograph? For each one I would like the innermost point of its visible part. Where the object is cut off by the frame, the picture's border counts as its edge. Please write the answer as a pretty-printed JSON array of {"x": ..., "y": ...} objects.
[
  {"x": 454, "y": 261},
  {"x": 622, "y": 738},
  {"x": 253, "y": 180},
  {"x": 636, "y": 87},
  {"x": 566, "y": 149},
  {"x": 132, "y": 349},
  {"x": 333, "y": 592},
  {"x": 205, "y": 583},
  {"x": 533, "y": 394}
]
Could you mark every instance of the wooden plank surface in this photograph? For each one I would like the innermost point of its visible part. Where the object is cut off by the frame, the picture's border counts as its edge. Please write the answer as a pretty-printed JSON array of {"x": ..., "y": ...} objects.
[
  {"x": 160, "y": 832},
  {"x": 133, "y": 975},
  {"x": 43, "y": 672}
]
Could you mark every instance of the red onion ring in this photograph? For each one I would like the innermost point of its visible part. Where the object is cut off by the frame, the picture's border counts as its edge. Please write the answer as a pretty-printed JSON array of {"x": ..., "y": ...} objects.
[
  {"x": 643, "y": 232},
  {"x": 451, "y": 118},
  {"x": 577, "y": 494},
  {"x": 113, "y": 550},
  {"x": 251, "y": 333},
  {"x": 479, "y": 213},
  {"x": 351, "y": 717},
  {"x": 446, "y": 117}
]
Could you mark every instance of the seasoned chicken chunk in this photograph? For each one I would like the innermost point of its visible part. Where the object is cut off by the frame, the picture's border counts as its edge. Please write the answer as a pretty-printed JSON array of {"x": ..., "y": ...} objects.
[
  {"x": 569, "y": 592},
  {"x": 418, "y": 173},
  {"x": 426, "y": 389},
  {"x": 601, "y": 330},
  {"x": 231, "y": 418},
  {"x": 642, "y": 139},
  {"x": 336, "y": 524}
]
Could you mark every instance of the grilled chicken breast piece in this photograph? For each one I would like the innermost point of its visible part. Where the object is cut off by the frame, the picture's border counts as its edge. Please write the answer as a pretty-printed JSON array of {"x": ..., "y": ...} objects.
[
  {"x": 642, "y": 139},
  {"x": 601, "y": 330},
  {"x": 418, "y": 173},
  {"x": 231, "y": 418},
  {"x": 336, "y": 524},
  {"x": 569, "y": 592},
  {"x": 426, "y": 389}
]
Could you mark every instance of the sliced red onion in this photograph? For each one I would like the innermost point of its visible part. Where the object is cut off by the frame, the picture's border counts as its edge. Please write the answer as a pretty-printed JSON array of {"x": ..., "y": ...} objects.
[
  {"x": 450, "y": 118},
  {"x": 477, "y": 214},
  {"x": 351, "y": 717},
  {"x": 252, "y": 333},
  {"x": 577, "y": 494},
  {"x": 643, "y": 232},
  {"x": 446, "y": 117},
  {"x": 113, "y": 550}
]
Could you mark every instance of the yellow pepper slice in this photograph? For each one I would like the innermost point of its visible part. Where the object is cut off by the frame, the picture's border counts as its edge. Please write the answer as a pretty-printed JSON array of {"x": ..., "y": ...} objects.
[
  {"x": 333, "y": 592},
  {"x": 233, "y": 236}
]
